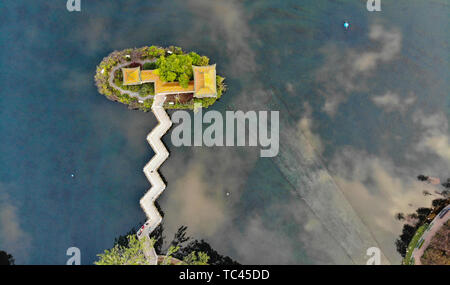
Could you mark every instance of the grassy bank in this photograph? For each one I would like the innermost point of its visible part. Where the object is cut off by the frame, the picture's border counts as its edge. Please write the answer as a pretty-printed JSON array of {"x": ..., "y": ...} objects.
[{"x": 412, "y": 245}]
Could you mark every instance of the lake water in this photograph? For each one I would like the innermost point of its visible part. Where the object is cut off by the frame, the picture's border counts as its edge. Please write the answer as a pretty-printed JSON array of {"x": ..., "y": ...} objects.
[{"x": 276, "y": 55}]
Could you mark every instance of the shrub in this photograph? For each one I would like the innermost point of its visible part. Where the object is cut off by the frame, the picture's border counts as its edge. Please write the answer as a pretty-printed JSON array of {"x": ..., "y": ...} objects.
[
  {"x": 147, "y": 89},
  {"x": 176, "y": 50},
  {"x": 155, "y": 52},
  {"x": 146, "y": 105},
  {"x": 149, "y": 66},
  {"x": 199, "y": 60},
  {"x": 221, "y": 87}
]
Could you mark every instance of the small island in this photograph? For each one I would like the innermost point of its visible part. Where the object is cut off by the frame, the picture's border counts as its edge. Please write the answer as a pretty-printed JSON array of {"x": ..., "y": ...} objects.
[{"x": 134, "y": 76}]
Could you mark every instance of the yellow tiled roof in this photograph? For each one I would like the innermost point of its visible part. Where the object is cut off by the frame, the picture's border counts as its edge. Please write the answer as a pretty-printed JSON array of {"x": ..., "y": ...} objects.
[
  {"x": 149, "y": 76},
  {"x": 175, "y": 87},
  {"x": 164, "y": 87},
  {"x": 131, "y": 76},
  {"x": 204, "y": 84},
  {"x": 205, "y": 81}
]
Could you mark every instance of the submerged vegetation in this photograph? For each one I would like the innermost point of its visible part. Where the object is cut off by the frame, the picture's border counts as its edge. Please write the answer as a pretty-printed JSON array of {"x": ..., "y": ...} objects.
[{"x": 172, "y": 64}]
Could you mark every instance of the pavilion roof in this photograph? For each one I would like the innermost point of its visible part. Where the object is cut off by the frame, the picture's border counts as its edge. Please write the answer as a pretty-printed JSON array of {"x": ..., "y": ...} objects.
[
  {"x": 162, "y": 87},
  {"x": 205, "y": 81},
  {"x": 203, "y": 85},
  {"x": 131, "y": 76}
]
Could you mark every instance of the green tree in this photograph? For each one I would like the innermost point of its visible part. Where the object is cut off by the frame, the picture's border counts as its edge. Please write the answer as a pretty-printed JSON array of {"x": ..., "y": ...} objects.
[
  {"x": 6, "y": 259},
  {"x": 175, "y": 50},
  {"x": 155, "y": 52},
  {"x": 200, "y": 258},
  {"x": 130, "y": 251},
  {"x": 147, "y": 89},
  {"x": 132, "y": 254},
  {"x": 149, "y": 66},
  {"x": 175, "y": 68},
  {"x": 179, "y": 247},
  {"x": 168, "y": 257},
  {"x": 405, "y": 238},
  {"x": 147, "y": 105},
  {"x": 199, "y": 60}
]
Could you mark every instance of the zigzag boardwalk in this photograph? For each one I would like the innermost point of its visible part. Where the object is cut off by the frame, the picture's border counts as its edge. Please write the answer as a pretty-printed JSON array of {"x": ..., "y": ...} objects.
[{"x": 151, "y": 171}]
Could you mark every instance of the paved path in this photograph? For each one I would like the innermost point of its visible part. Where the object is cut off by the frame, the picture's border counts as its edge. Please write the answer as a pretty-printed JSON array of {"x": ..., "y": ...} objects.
[
  {"x": 436, "y": 224},
  {"x": 151, "y": 171},
  {"x": 122, "y": 91}
]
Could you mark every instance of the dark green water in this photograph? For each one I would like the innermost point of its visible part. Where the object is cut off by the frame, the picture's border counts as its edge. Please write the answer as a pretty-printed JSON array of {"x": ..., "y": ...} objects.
[{"x": 54, "y": 123}]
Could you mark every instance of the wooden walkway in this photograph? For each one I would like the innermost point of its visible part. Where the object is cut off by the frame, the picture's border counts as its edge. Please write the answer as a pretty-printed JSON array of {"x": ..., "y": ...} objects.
[{"x": 151, "y": 171}]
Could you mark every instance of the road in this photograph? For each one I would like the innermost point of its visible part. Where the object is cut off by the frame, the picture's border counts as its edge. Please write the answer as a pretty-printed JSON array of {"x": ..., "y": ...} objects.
[{"x": 436, "y": 224}]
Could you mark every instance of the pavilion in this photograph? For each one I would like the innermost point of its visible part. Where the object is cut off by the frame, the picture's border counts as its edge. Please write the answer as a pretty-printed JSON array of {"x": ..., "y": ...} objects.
[{"x": 203, "y": 85}]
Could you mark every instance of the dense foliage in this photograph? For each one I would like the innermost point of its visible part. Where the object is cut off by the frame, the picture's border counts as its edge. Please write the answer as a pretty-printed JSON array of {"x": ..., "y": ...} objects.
[
  {"x": 178, "y": 67},
  {"x": 132, "y": 253},
  {"x": 175, "y": 68},
  {"x": 6, "y": 259},
  {"x": 184, "y": 247}
]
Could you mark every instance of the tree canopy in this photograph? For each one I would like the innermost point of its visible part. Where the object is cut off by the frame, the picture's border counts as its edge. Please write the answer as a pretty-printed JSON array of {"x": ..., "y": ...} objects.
[
  {"x": 154, "y": 51},
  {"x": 178, "y": 67},
  {"x": 175, "y": 68},
  {"x": 132, "y": 254},
  {"x": 6, "y": 259},
  {"x": 181, "y": 247}
]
